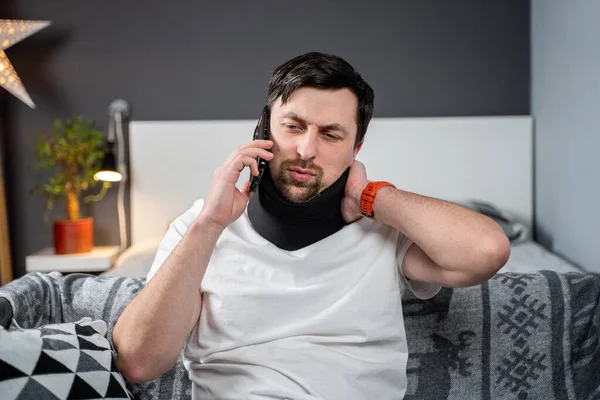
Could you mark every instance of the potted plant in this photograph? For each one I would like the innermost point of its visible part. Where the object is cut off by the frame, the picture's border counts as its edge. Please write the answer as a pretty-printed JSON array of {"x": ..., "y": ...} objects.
[{"x": 73, "y": 152}]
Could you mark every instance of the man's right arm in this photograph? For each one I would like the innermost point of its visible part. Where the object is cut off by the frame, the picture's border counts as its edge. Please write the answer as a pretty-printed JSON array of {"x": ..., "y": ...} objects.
[{"x": 153, "y": 328}]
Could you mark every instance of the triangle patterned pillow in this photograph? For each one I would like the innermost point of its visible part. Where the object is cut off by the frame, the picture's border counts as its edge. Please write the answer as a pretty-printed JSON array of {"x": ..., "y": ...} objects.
[{"x": 59, "y": 361}]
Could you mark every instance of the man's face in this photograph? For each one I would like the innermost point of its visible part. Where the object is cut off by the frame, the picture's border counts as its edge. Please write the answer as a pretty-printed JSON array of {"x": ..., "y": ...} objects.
[{"x": 314, "y": 134}]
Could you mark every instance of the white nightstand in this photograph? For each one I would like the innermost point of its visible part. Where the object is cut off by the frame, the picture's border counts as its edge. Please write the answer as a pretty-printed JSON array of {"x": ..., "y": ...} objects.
[{"x": 99, "y": 259}]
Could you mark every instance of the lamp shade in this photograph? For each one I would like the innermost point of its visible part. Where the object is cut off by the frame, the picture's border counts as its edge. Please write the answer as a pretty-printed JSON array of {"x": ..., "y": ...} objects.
[{"x": 108, "y": 171}]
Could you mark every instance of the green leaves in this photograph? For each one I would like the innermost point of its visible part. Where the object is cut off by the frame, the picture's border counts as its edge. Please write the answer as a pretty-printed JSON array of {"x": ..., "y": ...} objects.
[{"x": 73, "y": 152}]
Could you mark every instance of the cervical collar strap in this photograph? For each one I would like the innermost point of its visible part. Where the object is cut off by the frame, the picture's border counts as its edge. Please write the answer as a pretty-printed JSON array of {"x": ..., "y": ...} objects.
[{"x": 292, "y": 226}]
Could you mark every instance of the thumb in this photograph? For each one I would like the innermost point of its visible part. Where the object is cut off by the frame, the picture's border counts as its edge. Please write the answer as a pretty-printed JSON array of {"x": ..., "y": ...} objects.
[{"x": 245, "y": 190}]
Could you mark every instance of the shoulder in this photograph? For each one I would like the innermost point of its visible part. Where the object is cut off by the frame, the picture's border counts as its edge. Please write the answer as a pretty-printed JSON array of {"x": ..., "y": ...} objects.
[
  {"x": 176, "y": 229},
  {"x": 185, "y": 219}
]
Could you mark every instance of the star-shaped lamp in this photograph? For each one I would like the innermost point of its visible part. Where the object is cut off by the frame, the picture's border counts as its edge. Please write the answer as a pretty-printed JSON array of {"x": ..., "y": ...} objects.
[{"x": 12, "y": 32}]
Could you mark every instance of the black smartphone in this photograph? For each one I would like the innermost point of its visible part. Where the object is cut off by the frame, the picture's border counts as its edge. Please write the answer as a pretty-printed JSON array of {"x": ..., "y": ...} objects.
[{"x": 261, "y": 132}]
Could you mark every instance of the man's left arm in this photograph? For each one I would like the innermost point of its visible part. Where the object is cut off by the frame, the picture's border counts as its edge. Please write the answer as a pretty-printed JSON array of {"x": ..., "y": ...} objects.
[{"x": 453, "y": 246}]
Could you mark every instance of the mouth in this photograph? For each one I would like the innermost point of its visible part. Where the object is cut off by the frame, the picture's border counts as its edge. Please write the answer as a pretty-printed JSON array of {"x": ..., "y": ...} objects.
[
  {"x": 301, "y": 174},
  {"x": 302, "y": 171}
]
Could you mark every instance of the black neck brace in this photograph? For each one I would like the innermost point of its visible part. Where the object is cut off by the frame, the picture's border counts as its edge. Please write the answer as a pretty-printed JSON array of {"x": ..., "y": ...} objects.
[{"x": 292, "y": 226}]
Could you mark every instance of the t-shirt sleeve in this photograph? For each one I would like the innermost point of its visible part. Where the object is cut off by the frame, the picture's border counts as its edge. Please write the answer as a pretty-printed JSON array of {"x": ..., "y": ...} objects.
[
  {"x": 422, "y": 290},
  {"x": 176, "y": 230}
]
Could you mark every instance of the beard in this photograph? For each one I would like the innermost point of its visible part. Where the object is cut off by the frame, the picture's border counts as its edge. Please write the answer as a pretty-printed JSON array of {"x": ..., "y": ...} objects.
[{"x": 296, "y": 191}]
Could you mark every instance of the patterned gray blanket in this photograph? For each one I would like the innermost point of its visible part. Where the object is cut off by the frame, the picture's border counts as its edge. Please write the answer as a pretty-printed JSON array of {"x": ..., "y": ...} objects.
[{"x": 514, "y": 337}]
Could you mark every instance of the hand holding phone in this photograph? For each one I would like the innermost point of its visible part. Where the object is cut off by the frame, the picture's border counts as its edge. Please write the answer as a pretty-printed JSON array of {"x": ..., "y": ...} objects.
[
  {"x": 225, "y": 202},
  {"x": 261, "y": 132}
]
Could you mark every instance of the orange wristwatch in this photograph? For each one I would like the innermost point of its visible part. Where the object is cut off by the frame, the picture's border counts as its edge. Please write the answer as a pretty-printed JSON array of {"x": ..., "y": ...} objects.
[{"x": 368, "y": 197}]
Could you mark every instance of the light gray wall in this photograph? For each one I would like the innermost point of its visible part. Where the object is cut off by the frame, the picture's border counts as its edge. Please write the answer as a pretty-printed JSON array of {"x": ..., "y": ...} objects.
[
  {"x": 211, "y": 59},
  {"x": 566, "y": 105}
]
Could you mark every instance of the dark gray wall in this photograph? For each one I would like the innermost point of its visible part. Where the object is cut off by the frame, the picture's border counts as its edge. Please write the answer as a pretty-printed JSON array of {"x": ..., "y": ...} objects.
[
  {"x": 207, "y": 60},
  {"x": 566, "y": 107}
]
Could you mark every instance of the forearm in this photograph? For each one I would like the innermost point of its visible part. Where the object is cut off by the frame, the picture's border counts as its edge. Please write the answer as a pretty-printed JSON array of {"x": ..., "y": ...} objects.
[
  {"x": 153, "y": 328},
  {"x": 454, "y": 237}
]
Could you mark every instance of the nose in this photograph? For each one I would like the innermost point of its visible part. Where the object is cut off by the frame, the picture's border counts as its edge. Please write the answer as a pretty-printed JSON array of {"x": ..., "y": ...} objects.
[{"x": 307, "y": 145}]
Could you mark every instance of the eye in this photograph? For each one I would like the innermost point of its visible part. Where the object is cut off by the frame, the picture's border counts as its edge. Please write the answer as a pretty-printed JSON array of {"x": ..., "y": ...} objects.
[
  {"x": 331, "y": 137},
  {"x": 291, "y": 127}
]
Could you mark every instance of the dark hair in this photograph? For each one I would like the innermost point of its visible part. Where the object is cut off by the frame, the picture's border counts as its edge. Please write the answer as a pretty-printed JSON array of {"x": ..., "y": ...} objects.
[{"x": 323, "y": 71}]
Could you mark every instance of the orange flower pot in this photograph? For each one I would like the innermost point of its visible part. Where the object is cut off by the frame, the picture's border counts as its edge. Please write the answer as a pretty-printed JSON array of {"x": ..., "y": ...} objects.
[{"x": 72, "y": 237}]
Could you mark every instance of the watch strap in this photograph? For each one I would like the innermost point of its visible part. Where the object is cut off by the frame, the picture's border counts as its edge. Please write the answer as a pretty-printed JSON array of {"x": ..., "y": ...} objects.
[{"x": 367, "y": 197}]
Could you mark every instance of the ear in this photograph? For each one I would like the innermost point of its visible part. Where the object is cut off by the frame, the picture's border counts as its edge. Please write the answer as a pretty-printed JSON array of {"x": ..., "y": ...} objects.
[{"x": 358, "y": 147}]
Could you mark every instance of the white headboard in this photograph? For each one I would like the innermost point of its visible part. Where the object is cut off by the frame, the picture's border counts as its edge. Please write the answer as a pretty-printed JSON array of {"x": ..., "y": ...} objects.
[{"x": 485, "y": 158}]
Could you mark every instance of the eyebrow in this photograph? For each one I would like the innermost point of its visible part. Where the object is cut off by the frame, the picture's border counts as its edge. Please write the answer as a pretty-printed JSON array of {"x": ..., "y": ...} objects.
[{"x": 333, "y": 127}]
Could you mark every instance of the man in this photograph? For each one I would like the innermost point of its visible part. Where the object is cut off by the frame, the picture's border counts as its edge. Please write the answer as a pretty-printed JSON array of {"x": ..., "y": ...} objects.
[{"x": 294, "y": 292}]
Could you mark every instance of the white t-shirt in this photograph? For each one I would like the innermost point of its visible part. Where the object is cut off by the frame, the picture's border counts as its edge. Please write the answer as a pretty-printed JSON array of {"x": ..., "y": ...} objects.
[{"x": 321, "y": 322}]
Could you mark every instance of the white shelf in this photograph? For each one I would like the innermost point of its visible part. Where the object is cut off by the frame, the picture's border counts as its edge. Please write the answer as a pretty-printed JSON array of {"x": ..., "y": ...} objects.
[{"x": 99, "y": 259}]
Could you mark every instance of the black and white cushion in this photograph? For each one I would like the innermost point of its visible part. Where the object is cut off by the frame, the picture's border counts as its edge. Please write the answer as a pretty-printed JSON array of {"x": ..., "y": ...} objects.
[{"x": 59, "y": 361}]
